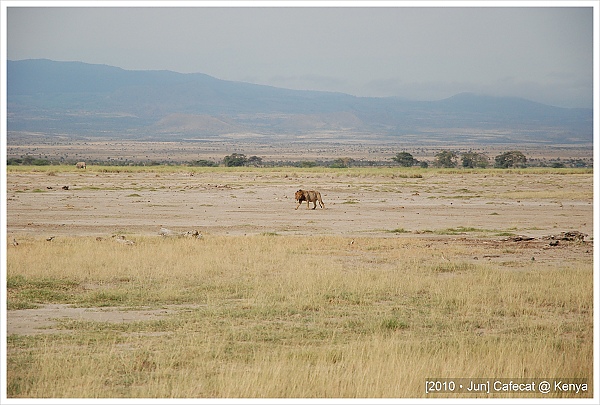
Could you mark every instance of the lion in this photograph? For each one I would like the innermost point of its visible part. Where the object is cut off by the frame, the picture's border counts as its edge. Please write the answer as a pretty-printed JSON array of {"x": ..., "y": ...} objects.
[{"x": 311, "y": 196}]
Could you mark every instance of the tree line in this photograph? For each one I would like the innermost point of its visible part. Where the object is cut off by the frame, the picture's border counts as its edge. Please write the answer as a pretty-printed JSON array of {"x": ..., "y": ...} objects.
[
  {"x": 469, "y": 160},
  {"x": 443, "y": 159}
]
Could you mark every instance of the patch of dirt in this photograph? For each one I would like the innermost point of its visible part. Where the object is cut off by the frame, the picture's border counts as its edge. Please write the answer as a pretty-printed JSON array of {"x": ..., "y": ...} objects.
[
  {"x": 103, "y": 204},
  {"x": 519, "y": 253},
  {"x": 44, "y": 319}
]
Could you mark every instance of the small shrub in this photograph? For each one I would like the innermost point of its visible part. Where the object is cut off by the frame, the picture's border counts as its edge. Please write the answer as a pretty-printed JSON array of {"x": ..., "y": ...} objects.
[
  {"x": 452, "y": 267},
  {"x": 399, "y": 230},
  {"x": 393, "y": 324}
]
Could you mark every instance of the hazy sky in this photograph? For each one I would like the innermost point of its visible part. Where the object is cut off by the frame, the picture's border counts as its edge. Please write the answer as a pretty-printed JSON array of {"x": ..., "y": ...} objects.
[{"x": 541, "y": 53}]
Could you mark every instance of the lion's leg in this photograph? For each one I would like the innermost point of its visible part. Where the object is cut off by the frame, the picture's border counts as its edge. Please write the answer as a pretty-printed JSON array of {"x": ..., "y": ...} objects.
[
  {"x": 298, "y": 205},
  {"x": 307, "y": 204},
  {"x": 314, "y": 204}
]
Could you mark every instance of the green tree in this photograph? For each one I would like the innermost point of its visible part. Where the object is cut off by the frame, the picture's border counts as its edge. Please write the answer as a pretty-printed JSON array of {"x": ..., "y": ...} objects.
[
  {"x": 446, "y": 158},
  {"x": 13, "y": 161},
  {"x": 474, "y": 159},
  {"x": 510, "y": 159},
  {"x": 203, "y": 163},
  {"x": 405, "y": 159},
  {"x": 255, "y": 161},
  {"x": 30, "y": 160},
  {"x": 338, "y": 164},
  {"x": 342, "y": 163},
  {"x": 235, "y": 160}
]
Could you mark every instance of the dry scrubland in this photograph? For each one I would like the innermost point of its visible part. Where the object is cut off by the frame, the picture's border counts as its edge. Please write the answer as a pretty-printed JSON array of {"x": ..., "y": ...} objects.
[{"x": 298, "y": 313}]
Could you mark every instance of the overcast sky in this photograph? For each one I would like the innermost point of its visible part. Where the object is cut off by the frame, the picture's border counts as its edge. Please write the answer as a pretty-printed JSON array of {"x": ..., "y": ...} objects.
[{"x": 540, "y": 53}]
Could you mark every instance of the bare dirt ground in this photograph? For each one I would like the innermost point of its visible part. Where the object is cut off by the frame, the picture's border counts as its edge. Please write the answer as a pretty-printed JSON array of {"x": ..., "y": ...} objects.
[
  {"x": 247, "y": 203},
  {"x": 42, "y": 320},
  {"x": 492, "y": 209}
]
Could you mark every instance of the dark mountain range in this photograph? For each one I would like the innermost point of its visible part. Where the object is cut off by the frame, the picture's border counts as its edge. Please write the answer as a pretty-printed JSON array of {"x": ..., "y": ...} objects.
[{"x": 83, "y": 100}]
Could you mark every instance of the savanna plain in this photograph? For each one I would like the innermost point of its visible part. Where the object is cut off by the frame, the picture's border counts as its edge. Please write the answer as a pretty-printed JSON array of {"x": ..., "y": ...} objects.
[{"x": 407, "y": 275}]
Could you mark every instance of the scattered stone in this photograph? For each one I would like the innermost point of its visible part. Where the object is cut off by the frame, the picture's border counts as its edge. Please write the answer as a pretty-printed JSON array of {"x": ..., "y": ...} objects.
[
  {"x": 194, "y": 234},
  {"x": 169, "y": 233},
  {"x": 571, "y": 236},
  {"x": 166, "y": 232},
  {"x": 121, "y": 239},
  {"x": 520, "y": 238}
]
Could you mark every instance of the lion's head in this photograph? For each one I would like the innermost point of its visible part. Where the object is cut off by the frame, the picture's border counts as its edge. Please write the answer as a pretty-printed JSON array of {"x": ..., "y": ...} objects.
[{"x": 299, "y": 195}]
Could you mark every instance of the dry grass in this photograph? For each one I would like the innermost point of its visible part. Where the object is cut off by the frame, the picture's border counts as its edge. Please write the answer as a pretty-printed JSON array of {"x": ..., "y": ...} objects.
[{"x": 289, "y": 316}]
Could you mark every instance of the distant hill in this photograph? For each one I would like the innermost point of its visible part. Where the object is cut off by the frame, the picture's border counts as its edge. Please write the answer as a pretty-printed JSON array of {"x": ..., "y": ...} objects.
[{"x": 84, "y": 100}]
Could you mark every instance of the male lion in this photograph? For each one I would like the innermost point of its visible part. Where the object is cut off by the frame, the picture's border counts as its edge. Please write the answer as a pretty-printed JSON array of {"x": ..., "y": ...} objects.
[{"x": 311, "y": 196}]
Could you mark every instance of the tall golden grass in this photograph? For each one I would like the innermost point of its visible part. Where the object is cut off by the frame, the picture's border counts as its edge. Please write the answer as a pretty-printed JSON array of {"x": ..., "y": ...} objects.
[{"x": 293, "y": 317}]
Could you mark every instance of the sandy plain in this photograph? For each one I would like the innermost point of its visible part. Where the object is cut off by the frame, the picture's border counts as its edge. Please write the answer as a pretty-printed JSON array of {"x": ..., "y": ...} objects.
[
  {"x": 256, "y": 201},
  {"x": 523, "y": 210}
]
